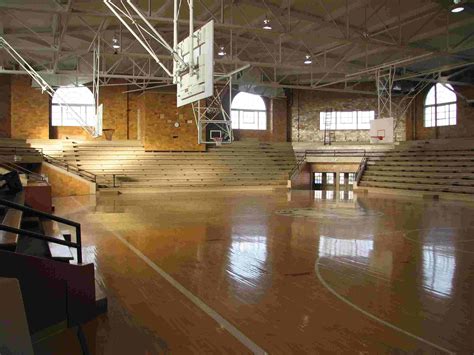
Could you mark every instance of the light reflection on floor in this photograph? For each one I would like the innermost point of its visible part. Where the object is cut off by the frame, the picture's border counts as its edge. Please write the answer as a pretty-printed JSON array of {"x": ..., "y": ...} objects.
[{"x": 251, "y": 256}]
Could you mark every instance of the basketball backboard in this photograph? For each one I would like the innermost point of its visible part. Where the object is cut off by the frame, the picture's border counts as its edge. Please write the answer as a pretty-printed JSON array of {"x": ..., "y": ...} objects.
[
  {"x": 99, "y": 115},
  {"x": 197, "y": 83},
  {"x": 381, "y": 130}
]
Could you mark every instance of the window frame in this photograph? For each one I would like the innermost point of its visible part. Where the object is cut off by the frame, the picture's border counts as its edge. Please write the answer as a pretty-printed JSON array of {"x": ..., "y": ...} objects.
[
  {"x": 238, "y": 120},
  {"x": 451, "y": 107},
  {"x": 337, "y": 119},
  {"x": 80, "y": 108}
]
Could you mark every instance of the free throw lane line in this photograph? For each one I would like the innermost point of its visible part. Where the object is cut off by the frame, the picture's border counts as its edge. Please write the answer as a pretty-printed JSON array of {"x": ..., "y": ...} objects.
[{"x": 241, "y": 337}]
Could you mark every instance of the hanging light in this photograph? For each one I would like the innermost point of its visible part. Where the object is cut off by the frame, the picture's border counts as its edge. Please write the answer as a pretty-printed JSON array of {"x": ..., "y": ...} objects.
[
  {"x": 221, "y": 52},
  {"x": 308, "y": 59},
  {"x": 458, "y": 6},
  {"x": 266, "y": 24},
  {"x": 115, "y": 43}
]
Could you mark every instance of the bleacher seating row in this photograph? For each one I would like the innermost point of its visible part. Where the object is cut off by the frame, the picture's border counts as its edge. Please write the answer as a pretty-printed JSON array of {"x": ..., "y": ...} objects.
[
  {"x": 432, "y": 166},
  {"x": 18, "y": 150},
  {"x": 126, "y": 164}
]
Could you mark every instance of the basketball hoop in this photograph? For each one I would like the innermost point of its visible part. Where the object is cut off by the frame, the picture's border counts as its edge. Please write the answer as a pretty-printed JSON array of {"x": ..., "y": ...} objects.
[
  {"x": 217, "y": 141},
  {"x": 380, "y": 138}
]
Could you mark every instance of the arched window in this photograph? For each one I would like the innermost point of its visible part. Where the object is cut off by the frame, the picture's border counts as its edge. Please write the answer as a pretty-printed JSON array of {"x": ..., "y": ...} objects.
[
  {"x": 248, "y": 111},
  {"x": 80, "y": 99},
  {"x": 440, "y": 106}
]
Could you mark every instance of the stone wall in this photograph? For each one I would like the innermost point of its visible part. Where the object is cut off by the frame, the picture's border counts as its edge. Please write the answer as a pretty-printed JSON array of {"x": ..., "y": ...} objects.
[
  {"x": 465, "y": 119},
  {"x": 158, "y": 117},
  {"x": 5, "y": 97},
  {"x": 306, "y": 106}
]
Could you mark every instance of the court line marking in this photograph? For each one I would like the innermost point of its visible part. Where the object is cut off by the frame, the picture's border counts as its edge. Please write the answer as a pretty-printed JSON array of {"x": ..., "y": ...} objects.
[
  {"x": 247, "y": 342},
  {"x": 372, "y": 316}
]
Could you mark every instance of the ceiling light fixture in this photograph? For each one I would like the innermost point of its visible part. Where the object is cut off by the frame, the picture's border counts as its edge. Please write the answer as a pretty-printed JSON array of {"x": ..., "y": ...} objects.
[
  {"x": 457, "y": 7},
  {"x": 221, "y": 52},
  {"x": 115, "y": 43},
  {"x": 308, "y": 59},
  {"x": 266, "y": 24}
]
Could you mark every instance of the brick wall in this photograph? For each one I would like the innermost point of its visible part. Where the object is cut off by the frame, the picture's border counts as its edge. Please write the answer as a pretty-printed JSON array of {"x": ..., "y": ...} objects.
[
  {"x": 158, "y": 115},
  {"x": 29, "y": 110},
  {"x": 306, "y": 106},
  {"x": 465, "y": 119},
  {"x": 115, "y": 110},
  {"x": 132, "y": 116},
  {"x": 5, "y": 118}
]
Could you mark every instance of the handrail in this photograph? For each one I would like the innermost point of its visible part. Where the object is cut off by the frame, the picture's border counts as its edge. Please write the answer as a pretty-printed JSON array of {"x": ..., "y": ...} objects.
[
  {"x": 77, "y": 226},
  {"x": 297, "y": 166},
  {"x": 70, "y": 168},
  {"x": 347, "y": 152},
  {"x": 13, "y": 166},
  {"x": 361, "y": 169}
]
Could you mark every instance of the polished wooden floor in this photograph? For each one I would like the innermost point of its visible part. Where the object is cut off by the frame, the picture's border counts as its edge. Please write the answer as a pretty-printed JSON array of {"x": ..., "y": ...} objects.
[{"x": 301, "y": 272}]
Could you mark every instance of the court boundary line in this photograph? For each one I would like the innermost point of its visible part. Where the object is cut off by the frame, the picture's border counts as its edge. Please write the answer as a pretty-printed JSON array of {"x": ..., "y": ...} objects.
[
  {"x": 372, "y": 316},
  {"x": 236, "y": 333}
]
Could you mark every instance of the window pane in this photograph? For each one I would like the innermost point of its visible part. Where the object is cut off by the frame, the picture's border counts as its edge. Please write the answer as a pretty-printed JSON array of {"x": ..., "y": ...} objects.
[
  {"x": 429, "y": 116},
  {"x": 234, "y": 116},
  {"x": 351, "y": 178},
  {"x": 251, "y": 111},
  {"x": 341, "y": 178},
  {"x": 364, "y": 118},
  {"x": 318, "y": 178},
  {"x": 262, "y": 120},
  {"x": 329, "y": 178},
  {"x": 248, "y": 118},
  {"x": 56, "y": 115},
  {"x": 73, "y": 106},
  {"x": 327, "y": 120},
  {"x": 347, "y": 120},
  {"x": 440, "y": 106},
  {"x": 444, "y": 94}
]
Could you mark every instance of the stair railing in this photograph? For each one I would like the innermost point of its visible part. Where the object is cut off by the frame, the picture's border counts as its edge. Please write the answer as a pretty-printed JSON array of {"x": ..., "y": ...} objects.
[
  {"x": 296, "y": 169},
  {"x": 77, "y": 245},
  {"x": 70, "y": 168},
  {"x": 21, "y": 170},
  {"x": 361, "y": 169}
]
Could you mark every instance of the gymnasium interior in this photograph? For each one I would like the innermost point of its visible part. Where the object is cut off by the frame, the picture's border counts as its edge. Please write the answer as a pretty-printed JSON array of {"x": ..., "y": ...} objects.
[{"x": 236, "y": 177}]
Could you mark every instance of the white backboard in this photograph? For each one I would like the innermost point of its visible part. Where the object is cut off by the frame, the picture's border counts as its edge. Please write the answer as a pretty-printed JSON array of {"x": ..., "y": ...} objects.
[
  {"x": 98, "y": 125},
  {"x": 381, "y": 130},
  {"x": 200, "y": 84}
]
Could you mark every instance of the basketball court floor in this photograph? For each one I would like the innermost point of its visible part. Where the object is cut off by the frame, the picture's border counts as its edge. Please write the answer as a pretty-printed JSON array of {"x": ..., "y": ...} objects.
[{"x": 276, "y": 272}]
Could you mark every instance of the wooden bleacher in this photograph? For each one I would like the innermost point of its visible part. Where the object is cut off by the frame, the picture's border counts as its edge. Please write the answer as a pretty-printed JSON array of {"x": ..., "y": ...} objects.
[
  {"x": 126, "y": 165},
  {"x": 445, "y": 166},
  {"x": 18, "y": 151},
  {"x": 59, "y": 291}
]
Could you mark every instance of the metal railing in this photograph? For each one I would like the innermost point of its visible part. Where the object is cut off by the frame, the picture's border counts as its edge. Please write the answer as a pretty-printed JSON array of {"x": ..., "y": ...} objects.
[
  {"x": 296, "y": 169},
  {"x": 347, "y": 153},
  {"x": 5, "y": 163},
  {"x": 70, "y": 168},
  {"x": 361, "y": 169},
  {"x": 77, "y": 245}
]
